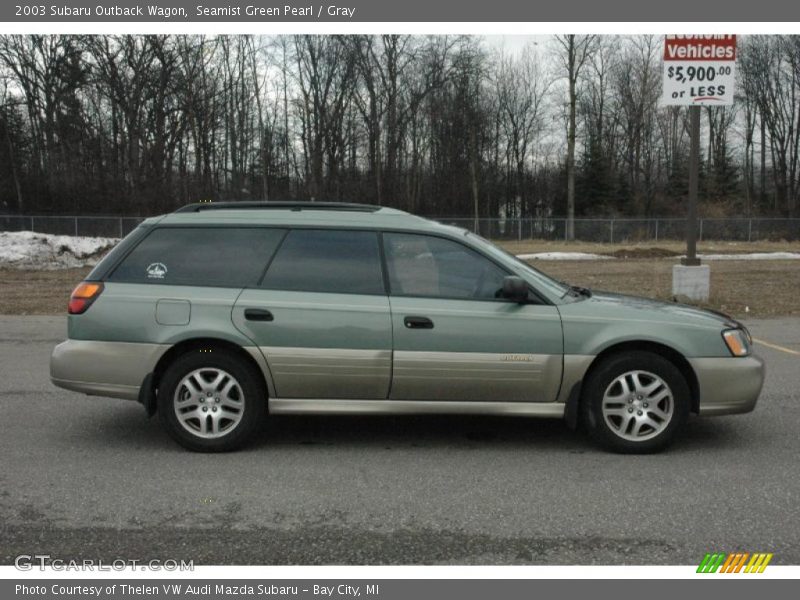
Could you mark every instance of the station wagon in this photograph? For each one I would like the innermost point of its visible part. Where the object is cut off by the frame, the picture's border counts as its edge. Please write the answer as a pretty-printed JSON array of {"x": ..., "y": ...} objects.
[{"x": 219, "y": 315}]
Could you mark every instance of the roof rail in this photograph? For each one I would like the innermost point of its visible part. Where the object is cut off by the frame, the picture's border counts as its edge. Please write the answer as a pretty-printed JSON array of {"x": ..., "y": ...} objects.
[{"x": 278, "y": 205}]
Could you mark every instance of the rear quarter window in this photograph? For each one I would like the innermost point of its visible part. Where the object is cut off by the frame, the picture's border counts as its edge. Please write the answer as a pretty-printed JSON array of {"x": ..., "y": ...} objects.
[{"x": 200, "y": 256}]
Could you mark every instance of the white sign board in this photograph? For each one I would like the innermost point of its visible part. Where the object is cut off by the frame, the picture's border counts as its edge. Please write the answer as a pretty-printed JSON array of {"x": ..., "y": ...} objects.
[{"x": 699, "y": 70}]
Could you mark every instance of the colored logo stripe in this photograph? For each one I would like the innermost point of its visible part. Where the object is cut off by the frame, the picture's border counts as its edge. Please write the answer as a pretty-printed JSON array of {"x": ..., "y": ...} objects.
[
  {"x": 734, "y": 562},
  {"x": 758, "y": 563},
  {"x": 711, "y": 562}
]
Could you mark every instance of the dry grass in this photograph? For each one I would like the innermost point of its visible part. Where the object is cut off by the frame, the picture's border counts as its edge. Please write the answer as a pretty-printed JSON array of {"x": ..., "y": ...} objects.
[
  {"x": 761, "y": 288},
  {"x": 676, "y": 248},
  {"x": 37, "y": 292}
]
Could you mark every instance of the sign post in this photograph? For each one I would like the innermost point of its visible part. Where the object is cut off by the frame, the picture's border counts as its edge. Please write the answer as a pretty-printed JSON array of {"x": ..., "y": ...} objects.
[
  {"x": 699, "y": 70},
  {"x": 694, "y": 160}
]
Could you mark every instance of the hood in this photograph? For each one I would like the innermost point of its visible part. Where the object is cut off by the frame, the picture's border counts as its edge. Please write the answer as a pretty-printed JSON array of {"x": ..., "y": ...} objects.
[{"x": 662, "y": 310}]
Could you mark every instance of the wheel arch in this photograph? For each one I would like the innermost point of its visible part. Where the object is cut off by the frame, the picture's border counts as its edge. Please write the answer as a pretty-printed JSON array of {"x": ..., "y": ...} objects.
[
  {"x": 252, "y": 357},
  {"x": 663, "y": 350}
]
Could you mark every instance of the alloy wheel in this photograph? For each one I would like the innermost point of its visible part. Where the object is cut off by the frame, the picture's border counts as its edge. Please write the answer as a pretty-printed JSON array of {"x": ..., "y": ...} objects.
[
  {"x": 638, "y": 406},
  {"x": 209, "y": 403}
]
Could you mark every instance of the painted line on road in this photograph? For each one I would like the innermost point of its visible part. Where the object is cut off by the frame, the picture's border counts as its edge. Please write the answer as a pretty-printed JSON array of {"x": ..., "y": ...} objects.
[{"x": 776, "y": 347}]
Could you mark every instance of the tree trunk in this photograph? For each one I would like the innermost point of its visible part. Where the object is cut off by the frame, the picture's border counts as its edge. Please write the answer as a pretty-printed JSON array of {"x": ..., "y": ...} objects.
[
  {"x": 763, "y": 200},
  {"x": 571, "y": 145}
]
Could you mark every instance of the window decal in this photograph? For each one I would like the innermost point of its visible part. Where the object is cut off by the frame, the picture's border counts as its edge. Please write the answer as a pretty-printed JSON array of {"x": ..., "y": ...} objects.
[{"x": 156, "y": 270}]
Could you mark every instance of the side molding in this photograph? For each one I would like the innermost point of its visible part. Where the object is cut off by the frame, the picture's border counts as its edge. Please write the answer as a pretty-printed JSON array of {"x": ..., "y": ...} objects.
[{"x": 300, "y": 406}]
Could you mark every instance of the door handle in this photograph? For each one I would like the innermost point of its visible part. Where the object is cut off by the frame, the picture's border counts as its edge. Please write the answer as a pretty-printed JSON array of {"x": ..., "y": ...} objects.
[
  {"x": 418, "y": 323},
  {"x": 258, "y": 314}
]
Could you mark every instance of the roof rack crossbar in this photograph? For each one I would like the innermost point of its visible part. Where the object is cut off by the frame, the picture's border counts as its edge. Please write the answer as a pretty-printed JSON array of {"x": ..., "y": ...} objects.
[{"x": 278, "y": 205}]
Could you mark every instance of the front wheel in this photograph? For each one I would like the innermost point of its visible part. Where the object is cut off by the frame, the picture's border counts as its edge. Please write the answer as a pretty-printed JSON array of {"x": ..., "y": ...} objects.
[
  {"x": 211, "y": 401},
  {"x": 635, "y": 402}
]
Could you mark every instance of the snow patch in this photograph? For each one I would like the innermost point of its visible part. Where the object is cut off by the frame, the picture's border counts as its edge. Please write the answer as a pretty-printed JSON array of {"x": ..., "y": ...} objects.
[
  {"x": 564, "y": 256},
  {"x": 30, "y": 250}
]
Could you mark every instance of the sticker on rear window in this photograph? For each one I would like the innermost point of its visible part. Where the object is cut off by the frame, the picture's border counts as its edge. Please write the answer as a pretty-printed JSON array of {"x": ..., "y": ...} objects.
[{"x": 156, "y": 271}]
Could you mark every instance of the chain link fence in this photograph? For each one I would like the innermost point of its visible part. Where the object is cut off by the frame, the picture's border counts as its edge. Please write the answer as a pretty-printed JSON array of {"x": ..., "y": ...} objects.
[
  {"x": 632, "y": 230},
  {"x": 88, "y": 226},
  {"x": 586, "y": 230}
]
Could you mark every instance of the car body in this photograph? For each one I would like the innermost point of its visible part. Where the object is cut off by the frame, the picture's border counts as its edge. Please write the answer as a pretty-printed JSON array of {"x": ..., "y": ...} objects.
[{"x": 343, "y": 308}]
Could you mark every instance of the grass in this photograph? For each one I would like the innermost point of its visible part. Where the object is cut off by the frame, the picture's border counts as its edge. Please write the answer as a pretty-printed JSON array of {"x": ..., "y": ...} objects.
[
  {"x": 666, "y": 247},
  {"x": 764, "y": 288}
]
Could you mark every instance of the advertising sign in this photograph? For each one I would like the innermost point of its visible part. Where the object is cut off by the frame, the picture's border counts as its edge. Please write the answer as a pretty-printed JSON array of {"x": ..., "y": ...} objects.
[{"x": 699, "y": 70}]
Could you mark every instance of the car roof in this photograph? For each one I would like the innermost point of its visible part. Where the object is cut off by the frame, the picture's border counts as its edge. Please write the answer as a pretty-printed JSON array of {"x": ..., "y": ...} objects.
[{"x": 308, "y": 214}]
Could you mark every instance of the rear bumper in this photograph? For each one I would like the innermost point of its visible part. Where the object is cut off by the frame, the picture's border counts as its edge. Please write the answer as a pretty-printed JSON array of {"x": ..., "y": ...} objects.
[
  {"x": 728, "y": 386},
  {"x": 113, "y": 369}
]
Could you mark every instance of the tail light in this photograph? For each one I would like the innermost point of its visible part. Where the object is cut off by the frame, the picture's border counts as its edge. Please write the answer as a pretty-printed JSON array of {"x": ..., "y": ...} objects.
[{"x": 83, "y": 296}]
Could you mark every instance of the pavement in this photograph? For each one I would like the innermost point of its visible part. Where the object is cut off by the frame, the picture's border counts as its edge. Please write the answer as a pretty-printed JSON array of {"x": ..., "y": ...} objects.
[{"x": 84, "y": 477}]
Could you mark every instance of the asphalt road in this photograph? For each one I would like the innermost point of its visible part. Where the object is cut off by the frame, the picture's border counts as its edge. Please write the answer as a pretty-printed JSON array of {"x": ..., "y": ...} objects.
[{"x": 88, "y": 477}]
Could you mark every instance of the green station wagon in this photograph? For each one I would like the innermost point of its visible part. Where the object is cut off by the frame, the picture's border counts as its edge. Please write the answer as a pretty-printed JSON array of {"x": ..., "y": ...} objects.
[{"x": 217, "y": 315}]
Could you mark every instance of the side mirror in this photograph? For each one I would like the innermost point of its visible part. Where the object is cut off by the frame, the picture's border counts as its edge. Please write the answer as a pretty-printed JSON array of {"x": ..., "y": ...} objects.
[{"x": 515, "y": 288}]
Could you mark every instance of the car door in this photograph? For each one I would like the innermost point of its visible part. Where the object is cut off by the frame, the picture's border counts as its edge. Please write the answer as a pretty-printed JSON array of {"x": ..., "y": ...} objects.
[
  {"x": 454, "y": 339},
  {"x": 321, "y": 316}
]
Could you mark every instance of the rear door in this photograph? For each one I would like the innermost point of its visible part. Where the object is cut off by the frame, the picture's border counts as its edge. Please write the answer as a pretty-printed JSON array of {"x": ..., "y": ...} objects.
[
  {"x": 454, "y": 339},
  {"x": 321, "y": 316}
]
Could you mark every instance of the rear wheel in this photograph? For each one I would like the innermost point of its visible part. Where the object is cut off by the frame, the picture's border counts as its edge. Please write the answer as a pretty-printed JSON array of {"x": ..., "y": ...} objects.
[
  {"x": 635, "y": 402},
  {"x": 211, "y": 401}
]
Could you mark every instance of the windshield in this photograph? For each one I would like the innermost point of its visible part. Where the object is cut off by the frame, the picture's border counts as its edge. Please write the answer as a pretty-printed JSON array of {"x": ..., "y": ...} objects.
[{"x": 544, "y": 282}]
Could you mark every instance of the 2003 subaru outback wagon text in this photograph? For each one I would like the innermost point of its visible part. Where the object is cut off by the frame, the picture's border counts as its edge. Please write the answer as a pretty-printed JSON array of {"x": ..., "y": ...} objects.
[{"x": 219, "y": 314}]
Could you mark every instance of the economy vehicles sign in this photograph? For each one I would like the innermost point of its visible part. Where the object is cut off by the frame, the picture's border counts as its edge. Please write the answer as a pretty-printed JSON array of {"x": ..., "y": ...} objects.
[{"x": 699, "y": 70}]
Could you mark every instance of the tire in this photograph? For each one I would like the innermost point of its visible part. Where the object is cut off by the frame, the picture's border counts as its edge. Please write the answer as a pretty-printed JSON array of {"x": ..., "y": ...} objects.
[
  {"x": 635, "y": 403},
  {"x": 220, "y": 397}
]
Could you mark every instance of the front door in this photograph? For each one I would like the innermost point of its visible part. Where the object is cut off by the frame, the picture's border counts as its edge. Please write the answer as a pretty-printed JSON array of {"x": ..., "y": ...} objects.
[
  {"x": 321, "y": 316},
  {"x": 454, "y": 339}
]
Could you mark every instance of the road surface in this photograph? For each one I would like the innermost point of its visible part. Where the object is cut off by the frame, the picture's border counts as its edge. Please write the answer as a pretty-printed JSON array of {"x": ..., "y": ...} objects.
[{"x": 85, "y": 477}]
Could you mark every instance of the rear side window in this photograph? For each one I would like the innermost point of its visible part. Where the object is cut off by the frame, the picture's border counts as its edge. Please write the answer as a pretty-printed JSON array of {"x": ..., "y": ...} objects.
[
  {"x": 328, "y": 261},
  {"x": 201, "y": 256}
]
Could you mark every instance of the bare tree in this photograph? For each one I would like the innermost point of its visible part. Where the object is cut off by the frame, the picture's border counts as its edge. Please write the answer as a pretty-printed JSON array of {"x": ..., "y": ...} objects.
[
  {"x": 575, "y": 50},
  {"x": 440, "y": 125},
  {"x": 521, "y": 89}
]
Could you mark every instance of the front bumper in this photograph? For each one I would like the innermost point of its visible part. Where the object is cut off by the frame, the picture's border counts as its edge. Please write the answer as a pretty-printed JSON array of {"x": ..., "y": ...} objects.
[
  {"x": 730, "y": 385},
  {"x": 113, "y": 369}
]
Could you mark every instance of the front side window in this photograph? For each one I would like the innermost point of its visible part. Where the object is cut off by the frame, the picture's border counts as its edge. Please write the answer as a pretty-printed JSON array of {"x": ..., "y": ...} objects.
[
  {"x": 545, "y": 282},
  {"x": 327, "y": 261},
  {"x": 422, "y": 265},
  {"x": 201, "y": 256}
]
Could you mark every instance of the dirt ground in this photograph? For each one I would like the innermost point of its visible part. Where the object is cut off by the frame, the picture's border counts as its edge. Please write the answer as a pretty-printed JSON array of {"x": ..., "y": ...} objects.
[
  {"x": 649, "y": 249},
  {"x": 742, "y": 288},
  {"x": 34, "y": 292},
  {"x": 763, "y": 288},
  {"x": 755, "y": 288}
]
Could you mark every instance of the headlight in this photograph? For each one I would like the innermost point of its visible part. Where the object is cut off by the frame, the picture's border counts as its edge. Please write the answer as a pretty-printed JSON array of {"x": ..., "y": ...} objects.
[{"x": 737, "y": 342}]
